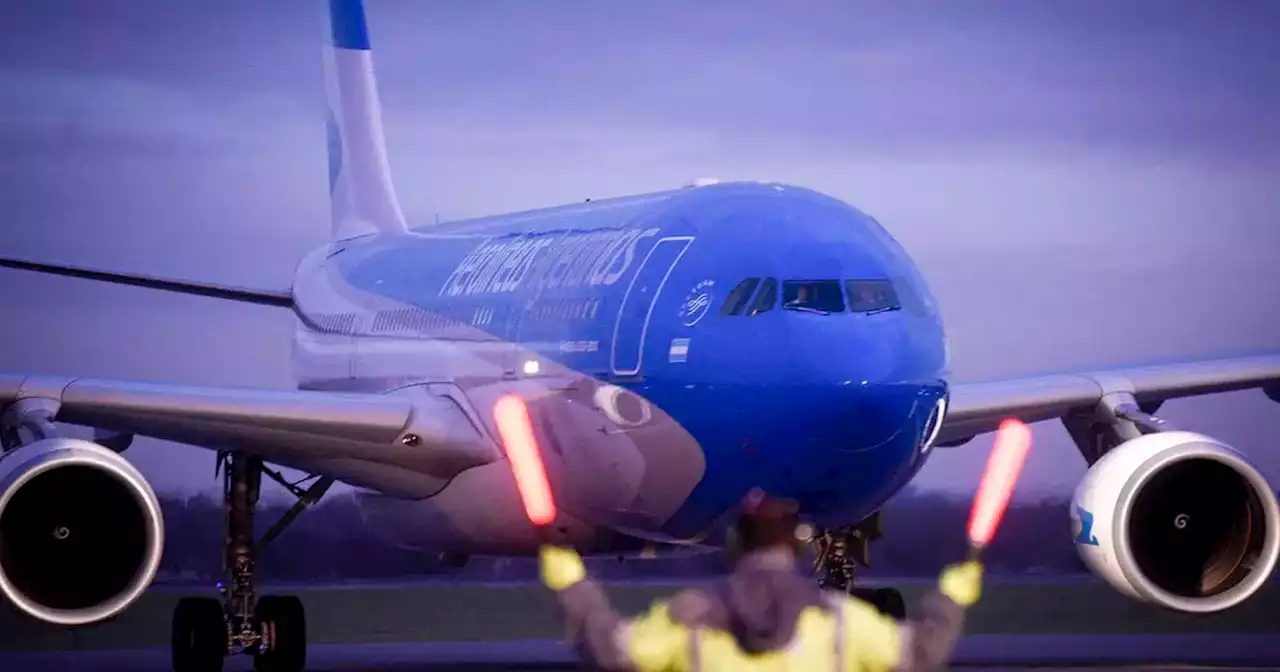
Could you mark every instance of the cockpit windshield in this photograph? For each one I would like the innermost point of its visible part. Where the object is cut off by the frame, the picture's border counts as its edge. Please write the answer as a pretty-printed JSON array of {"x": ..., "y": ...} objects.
[
  {"x": 766, "y": 299},
  {"x": 814, "y": 296},
  {"x": 739, "y": 296},
  {"x": 871, "y": 296},
  {"x": 821, "y": 297}
]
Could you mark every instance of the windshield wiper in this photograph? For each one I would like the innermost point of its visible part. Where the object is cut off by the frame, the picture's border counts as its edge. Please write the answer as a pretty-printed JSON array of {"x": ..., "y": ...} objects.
[
  {"x": 807, "y": 309},
  {"x": 877, "y": 311}
]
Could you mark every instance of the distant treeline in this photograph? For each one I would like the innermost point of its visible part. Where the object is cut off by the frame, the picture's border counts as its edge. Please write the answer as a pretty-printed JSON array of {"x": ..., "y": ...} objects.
[{"x": 330, "y": 542}]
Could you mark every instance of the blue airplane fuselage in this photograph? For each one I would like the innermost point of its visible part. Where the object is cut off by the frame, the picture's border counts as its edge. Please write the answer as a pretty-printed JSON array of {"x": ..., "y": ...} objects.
[{"x": 781, "y": 334}]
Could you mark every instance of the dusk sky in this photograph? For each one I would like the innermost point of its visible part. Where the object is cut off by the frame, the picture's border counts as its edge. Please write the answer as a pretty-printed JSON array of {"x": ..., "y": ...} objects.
[{"x": 1083, "y": 184}]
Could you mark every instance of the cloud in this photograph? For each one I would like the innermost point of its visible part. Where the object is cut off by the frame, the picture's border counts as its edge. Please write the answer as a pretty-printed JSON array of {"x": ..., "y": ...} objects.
[
  {"x": 1083, "y": 184},
  {"x": 1165, "y": 81},
  {"x": 97, "y": 113}
]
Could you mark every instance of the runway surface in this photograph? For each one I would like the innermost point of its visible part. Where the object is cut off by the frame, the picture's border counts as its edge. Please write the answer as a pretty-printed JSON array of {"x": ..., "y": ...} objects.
[
  {"x": 993, "y": 653},
  {"x": 480, "y": 627}
]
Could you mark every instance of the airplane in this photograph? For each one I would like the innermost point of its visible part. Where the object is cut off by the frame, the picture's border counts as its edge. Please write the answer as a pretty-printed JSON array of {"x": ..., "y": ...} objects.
[{"x": 675, "y": 349}]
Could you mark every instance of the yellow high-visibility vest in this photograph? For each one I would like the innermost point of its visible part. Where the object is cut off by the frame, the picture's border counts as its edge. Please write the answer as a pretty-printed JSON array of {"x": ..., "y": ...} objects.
[{"x": 848, "y": 636}]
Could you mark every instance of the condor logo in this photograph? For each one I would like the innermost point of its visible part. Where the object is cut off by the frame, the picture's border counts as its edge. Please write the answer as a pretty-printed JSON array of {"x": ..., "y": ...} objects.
[{"x": 695, "y": 304}]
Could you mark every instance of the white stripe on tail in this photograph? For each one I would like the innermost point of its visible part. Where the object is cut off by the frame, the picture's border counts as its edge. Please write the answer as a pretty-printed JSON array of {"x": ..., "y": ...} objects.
[{"x": 360, "y": 190}]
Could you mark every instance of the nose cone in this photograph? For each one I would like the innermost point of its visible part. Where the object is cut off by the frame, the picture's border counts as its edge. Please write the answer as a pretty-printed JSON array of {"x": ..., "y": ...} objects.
[
  {"x": 855, "y": 423},
  {"x": 864, "y": 417},
  {"x": 832, "y": 409},
  {"x": 865, "y": 349},
  {"x": 853, "y": 446}
]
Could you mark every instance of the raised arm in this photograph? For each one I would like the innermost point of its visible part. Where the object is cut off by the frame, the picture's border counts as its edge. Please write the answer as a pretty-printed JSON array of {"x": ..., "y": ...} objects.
[
  {"x": 877, "y": 643},
  {"x": 652, "y": 642}
]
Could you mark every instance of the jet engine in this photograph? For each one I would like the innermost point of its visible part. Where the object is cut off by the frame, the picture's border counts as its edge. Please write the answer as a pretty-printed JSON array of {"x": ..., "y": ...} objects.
[
  {"x": 1179, "y": 520},
  {"x": 81, "y": 532}
]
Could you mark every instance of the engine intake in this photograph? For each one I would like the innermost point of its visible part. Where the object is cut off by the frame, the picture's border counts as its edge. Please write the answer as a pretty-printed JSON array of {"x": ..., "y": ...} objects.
[
  {"x": 1180, "y": 520},
  {"x": 81, "y": 532}
]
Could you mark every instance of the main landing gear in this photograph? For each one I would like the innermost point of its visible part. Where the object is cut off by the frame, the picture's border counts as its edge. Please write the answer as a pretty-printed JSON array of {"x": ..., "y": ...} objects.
[
  {"x": 271, "y": 628},
  {"x": 840, "y": 551}
]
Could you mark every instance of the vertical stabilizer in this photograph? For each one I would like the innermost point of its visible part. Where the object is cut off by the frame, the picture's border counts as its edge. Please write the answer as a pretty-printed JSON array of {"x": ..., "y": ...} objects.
[{"x": 360, "y": 190}]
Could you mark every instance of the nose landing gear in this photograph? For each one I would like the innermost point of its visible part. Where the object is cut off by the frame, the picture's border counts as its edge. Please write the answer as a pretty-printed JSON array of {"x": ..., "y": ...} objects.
[{"x": 841, "y": 551}]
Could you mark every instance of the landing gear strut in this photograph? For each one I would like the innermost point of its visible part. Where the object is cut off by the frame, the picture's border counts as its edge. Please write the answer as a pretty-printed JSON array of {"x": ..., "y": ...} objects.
[
  {"x": 272, "y": 629},
  {"x": 840, "y": 552}
]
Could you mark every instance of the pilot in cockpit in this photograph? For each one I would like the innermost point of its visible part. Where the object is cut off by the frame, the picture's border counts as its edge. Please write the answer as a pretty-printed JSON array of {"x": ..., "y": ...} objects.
[
  {"x": 801, "y": 299},
  {"x": 867, "y": 295}
]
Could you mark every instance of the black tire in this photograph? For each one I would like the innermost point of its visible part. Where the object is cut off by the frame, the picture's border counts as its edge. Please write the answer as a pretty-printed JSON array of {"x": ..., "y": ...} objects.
[
  {"x": 889, "y": 602},
  {"x": 864, "y": 594},
  {"x": 283, "y": 624},
  {"x": 199, "y": 638}
]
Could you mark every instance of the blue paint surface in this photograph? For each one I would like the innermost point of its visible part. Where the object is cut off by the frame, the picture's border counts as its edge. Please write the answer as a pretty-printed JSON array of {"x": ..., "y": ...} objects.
[
  {"x": 1086, "y": 536},
  {"x": 347, "y": 20},
  {"x": 830, "y": 409}
]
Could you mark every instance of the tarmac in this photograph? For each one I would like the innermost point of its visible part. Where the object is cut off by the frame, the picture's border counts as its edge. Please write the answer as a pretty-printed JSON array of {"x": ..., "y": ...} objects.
[{"x": 478, "y": 627}]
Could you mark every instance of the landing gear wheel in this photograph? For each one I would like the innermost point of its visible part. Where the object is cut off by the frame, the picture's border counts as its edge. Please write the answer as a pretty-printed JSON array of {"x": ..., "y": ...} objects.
[
  {"x": 889, "y": 602},
  {"x": 199, "y": 635},
  {"x": 283, "y": 625},
  {"x": 272, "y": 629}
]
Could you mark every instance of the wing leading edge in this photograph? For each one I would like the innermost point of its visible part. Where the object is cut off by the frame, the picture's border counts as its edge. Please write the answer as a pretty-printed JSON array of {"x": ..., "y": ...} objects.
[
  {"x": 206, "y": 289},
  {"x": 406, "y": 443},
  {"x": 978, "y": 408},
  {"x": 411, "y": 442}
]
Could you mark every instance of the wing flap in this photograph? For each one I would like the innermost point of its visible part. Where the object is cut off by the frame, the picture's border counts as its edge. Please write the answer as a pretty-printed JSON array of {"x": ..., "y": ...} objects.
[
  {"x": 978, "y": 408},
  {"x": 233, "y": 415}
]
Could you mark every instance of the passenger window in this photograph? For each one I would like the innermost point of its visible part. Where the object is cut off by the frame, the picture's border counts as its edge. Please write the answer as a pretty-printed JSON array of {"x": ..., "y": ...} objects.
[
  {"x": 871, "y": 296},
  {"x": 766, "y": 299},
  {"x": 738, "y": 297},
  {"x": 815, "y": 296}
]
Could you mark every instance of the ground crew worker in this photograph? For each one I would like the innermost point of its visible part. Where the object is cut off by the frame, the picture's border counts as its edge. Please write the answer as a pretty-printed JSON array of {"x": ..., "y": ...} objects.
[{"x": 764, "y": 615}]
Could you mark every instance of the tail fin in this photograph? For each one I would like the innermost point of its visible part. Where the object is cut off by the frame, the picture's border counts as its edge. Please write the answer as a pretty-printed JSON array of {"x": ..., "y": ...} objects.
[{"x": 362, "y": 196}]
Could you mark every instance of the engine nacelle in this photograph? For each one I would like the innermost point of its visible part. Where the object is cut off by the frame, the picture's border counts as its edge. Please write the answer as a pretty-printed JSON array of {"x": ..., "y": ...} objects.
[
  {"x": 1178, "y": 519},
  {"x": 81, "y": 532}
]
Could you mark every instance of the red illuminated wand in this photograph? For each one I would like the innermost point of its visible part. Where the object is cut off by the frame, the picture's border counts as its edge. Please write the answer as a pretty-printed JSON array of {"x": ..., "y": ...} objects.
[
  {"x": 516, "y": 430},
  {"x": 1013, "y": 441}
]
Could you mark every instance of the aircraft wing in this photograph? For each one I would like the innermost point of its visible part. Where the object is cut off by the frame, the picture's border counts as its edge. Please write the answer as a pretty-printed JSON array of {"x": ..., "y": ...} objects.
[
  {"x": 281, "y": 299},
  {"x": 977, "y": 408},
  {"x": 408, "y": 442}
]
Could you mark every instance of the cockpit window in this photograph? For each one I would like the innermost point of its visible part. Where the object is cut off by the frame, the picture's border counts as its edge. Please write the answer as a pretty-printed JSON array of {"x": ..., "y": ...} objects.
[
  {"x": 871, "y": 296},
  {"x": 814, "y": 296},
  {"x": 766, "y": 299},
  {"x": 739, "y": 296}
]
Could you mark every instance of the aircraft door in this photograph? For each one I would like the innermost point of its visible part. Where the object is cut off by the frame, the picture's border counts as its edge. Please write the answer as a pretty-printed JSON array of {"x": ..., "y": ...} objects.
[
  {"x": 514, "y": 355},
  {"x": 514, "y": 331},
  {"x": 627, "y": 352}
]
